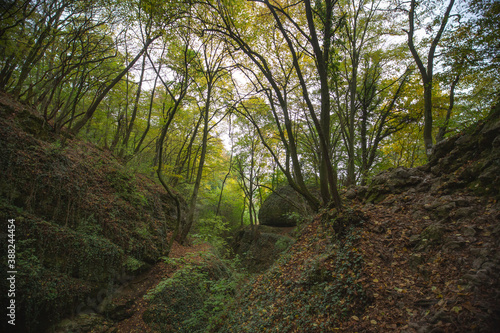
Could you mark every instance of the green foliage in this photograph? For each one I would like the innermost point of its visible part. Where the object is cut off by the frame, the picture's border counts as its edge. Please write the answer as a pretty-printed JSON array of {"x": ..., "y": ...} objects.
[
  {"x": 212, "y": 230},
  {"x": 82, "y": 220},
  {"x": 132, "y": 264},
  {"x": 193, "y": 299},
  {"x": 296, "y": 217},
  {"x": 86, "y": 256},
  {"x": 283, "y": 208},
  {"x": 343, "y": 222},
  {"x": 283, "y": 244},
  {"x": 96, "y": 217},
  {"x": 89, "y": 226},
  {"x": 174, "y": 262},
  {"x": 40, "y": 289},
  {"x": 123, "y": 182},
  {"x": 55, "y": 148}
]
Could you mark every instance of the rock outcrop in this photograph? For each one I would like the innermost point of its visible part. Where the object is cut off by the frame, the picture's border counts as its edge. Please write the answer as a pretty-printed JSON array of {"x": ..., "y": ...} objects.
[
  {"x": 415, "y": 251},
  {"x": 468, "y": 161},
  {"x": 258, "y": 249},
  {"x": 283, "y": 208}
]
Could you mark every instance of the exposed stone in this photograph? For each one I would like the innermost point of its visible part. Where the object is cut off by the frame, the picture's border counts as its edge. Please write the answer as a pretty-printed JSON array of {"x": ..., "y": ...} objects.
[
  {"x": 397, "y": 180},
  {"x": 283, "y": 208},
  {"x": 415, "y": 260},
  {"x": 464, "y": 201},
  {"x": 432, "y": 206},
  {"x": 424, "y": 329},
  {"x": 477, "y": 263},
  {"x": 414, "y": 239},
  {"x": 469, "y": 231},
  {"x": 444, "y": 210},
  {"x": 470, "y": 159},
  {"x": 463, "y": 212},
  {"x": 488, "y": 266},
  {"x": 84, "y": 322},
  {"x": 441, "y": 316},
  {"x": 258, "y": 249},
  {"x": 454, "y": 245},
  {"x": 433, "y": 233},
  {"x": 350, "y": 193}
]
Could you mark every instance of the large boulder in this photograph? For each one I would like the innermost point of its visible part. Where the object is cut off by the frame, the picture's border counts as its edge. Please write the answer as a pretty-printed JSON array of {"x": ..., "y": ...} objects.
[{"x": 283, "y": 208}]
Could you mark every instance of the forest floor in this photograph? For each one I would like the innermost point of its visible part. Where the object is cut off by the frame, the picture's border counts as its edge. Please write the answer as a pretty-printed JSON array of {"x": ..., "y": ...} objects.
[
  {"x": 131, "y": 295},
  {"x": 432, "y": 284}
]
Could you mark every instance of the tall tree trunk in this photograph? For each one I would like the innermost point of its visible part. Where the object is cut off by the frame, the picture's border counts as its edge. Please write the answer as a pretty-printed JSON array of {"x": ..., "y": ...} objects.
[
  {"x": 428, "y": 142},
  {"x": 38, "y": 50},
  {"x": 351, "y": 179},
  {"x": 134, "y": 110},
  {"x": 139, "y": 145},
  {"x": 444, "y": 127},
  {"x": 217, "y": 211},
  {"x": 194, "y": 196},
  {"x": 426, "y": 72},
  {"x": 174, "y": 196}
]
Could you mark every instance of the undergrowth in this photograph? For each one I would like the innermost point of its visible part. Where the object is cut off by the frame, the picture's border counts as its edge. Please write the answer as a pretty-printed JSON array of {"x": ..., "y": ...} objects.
[{"x": 194, "y": 298}]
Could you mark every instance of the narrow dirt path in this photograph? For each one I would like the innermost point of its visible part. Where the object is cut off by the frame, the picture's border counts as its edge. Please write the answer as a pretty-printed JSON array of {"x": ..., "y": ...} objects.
[{"x": 131, "y": 297}]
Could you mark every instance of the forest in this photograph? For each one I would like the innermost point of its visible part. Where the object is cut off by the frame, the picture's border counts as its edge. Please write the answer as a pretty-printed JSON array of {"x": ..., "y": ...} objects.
[{"x": 146, "y": 144}]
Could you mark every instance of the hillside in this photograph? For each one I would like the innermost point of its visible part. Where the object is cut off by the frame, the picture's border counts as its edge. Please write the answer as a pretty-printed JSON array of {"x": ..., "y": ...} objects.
[
  {"x": 84, "y": 224},
  {"x": 416, "y": 251}
]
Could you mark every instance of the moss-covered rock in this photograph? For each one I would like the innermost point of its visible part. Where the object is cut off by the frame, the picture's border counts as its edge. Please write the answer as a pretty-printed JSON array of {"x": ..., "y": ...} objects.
[
  {"x": 396, "y": 180},
  {"x": 258, "y": 249},
  {"x": 85, "y": 322},
  {"x": 470, "y": 159},
  {"x": 283, "y": 208}
]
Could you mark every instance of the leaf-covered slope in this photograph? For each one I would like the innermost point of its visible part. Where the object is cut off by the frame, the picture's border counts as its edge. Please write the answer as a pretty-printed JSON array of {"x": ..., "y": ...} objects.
[
  {"x": 312, "y": 288},
  {"x": 83, "y": 221},
  {"x": 419, "y": 254}
]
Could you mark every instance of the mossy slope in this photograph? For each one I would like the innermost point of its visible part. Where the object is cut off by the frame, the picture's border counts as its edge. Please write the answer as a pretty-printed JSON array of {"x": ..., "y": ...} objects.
[{"x": 83, "y": 221}]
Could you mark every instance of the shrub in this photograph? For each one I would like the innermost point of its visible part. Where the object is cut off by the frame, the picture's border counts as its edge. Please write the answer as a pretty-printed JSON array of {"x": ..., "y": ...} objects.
[{"x": 193, "y": 299}]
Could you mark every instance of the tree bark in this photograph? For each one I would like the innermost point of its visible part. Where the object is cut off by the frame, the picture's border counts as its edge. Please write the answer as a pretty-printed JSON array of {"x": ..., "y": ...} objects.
[
  {"x": 426, "y": 72},
  {"x": 444, "y": 127},
  {"x": 134, "y": 110}
]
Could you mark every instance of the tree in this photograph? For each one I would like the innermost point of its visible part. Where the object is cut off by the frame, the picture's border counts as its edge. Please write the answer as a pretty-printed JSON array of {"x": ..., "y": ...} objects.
[
  {"x": 97, "y": 101},
  {"x": 177, "y": 90},
  {"x": 211, "y": 68},
  {"x": 309, "y": 40},
  {"x": 358, "y": 17},
  {"x": 250, "y": 159},
  {"x": 366, "y": 73},
  {"x": 377, "y": 102},
  {"x": 426, "y": 71},
  {"x": 470, "y": 65}
]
